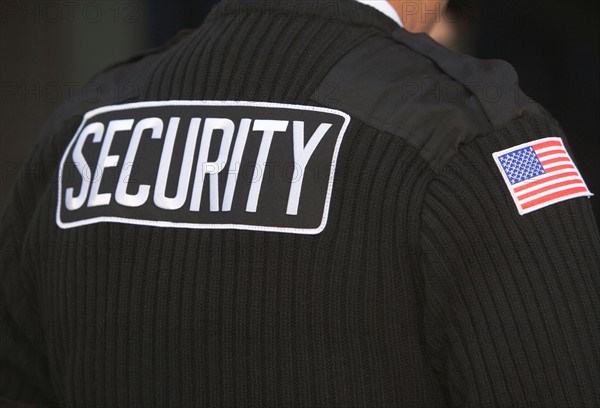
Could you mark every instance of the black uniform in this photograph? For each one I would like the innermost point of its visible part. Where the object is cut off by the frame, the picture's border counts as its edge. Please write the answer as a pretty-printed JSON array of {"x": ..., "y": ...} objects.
[{"x": 300, "y": 204}]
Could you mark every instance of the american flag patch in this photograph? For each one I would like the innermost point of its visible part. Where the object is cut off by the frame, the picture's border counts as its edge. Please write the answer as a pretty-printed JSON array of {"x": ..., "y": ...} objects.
[{"x": 540, "y": 173}]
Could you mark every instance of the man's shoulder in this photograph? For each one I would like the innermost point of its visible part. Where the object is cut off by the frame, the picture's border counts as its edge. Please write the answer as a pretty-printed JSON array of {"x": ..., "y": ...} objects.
[
  {"x": 410, "y": 86},
  {"x": 122, "y": 82}
]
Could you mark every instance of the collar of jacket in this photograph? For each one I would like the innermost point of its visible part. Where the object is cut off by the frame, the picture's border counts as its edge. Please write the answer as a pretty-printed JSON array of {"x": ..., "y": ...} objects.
[
  {"x": 385, "y": 7},
  {"x": 347, "y": 11}
]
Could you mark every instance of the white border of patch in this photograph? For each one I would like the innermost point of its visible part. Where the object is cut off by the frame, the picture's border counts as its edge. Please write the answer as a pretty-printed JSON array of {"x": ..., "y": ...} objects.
[
  {"x": 167, "y": 224},
  {"x": 496, "y": 156}
]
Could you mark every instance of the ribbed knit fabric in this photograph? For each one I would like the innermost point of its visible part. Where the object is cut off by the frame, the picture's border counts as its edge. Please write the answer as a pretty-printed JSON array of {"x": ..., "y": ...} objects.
[
  {"x": 425, "y": 289},
  {"x": 512, "y": 314}
]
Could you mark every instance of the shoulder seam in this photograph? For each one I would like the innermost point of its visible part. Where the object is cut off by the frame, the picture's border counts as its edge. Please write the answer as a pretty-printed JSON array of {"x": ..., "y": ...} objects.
[{"x": 497, "y": 93}]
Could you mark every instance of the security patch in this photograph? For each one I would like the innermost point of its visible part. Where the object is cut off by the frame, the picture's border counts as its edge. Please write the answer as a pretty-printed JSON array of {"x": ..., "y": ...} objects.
[{"x": 202, "y": 164}]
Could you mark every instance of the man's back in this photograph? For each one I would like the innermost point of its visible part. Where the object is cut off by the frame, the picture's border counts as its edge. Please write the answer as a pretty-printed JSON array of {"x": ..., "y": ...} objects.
[{"x": 367, "y": 253}]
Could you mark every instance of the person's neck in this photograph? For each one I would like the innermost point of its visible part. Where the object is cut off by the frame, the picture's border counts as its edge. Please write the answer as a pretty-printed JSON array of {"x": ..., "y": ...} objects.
[{"x": 418, "y": 16}]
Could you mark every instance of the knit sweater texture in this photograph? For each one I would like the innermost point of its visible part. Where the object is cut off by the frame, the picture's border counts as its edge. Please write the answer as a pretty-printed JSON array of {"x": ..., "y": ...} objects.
[{"x": 426, "y": 288}]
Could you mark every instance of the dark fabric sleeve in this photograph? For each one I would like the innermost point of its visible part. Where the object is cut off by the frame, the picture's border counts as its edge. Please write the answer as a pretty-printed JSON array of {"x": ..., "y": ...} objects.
[
  {"x": 24, "y": 378},
  {"x": 513, "y": 310}
]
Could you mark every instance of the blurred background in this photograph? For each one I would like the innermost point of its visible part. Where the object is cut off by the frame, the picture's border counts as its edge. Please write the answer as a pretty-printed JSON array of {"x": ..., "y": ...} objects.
[{"x": 49, "y": 49}]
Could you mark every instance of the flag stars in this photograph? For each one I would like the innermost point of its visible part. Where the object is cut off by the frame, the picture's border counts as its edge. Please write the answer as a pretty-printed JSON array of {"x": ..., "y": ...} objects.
[{"x": 521, "y": 165}]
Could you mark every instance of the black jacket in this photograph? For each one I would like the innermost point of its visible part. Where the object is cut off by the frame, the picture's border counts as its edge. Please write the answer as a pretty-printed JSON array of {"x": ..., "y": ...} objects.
[{"x": 397, "y": 272}]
